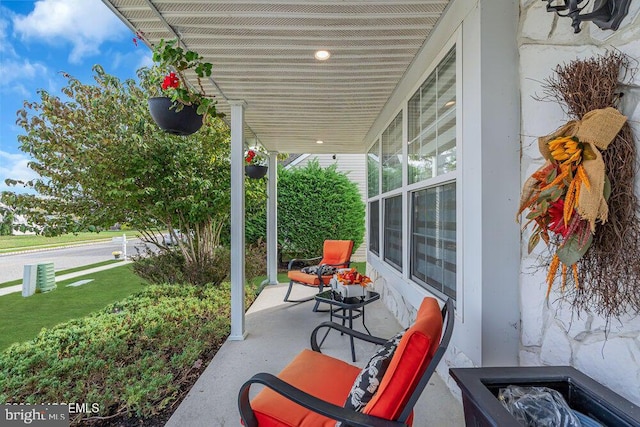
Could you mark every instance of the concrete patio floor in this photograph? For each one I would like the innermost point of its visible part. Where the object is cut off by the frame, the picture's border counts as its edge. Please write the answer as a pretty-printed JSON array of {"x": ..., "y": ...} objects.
[{"x": 277, "y": 331}]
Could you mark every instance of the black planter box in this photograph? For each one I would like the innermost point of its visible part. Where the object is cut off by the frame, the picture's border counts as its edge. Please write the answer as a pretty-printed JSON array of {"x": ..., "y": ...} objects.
[{"x": 480, "y": 388}]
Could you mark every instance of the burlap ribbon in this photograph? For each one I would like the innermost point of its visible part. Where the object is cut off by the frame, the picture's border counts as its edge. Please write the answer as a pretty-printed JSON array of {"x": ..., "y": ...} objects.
[{"x": 598, "y": 128}]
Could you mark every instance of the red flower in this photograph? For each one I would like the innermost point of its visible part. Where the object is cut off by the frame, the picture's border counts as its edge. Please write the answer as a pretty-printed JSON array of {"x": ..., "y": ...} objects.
[
  {"x": 250, "y": 155},
  {"x": 556, "y": 215},
  {"x": 170, "y": 81}
]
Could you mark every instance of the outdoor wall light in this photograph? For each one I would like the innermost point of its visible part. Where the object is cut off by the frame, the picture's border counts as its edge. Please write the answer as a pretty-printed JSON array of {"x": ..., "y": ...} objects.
[{"x": 606, "y": 14}]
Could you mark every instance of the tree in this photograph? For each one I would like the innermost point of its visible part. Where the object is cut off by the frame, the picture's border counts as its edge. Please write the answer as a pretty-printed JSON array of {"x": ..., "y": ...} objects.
[
  {"x": 102, "y": 160},
  {"x": 6, "y": 221},
  {"x": 314, "y": 204}
]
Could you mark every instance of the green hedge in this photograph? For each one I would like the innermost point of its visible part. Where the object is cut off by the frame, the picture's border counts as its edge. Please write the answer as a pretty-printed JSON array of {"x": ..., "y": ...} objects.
[
  {"x": 133, "y": 358},
  {"x": 314, "y": 204}
]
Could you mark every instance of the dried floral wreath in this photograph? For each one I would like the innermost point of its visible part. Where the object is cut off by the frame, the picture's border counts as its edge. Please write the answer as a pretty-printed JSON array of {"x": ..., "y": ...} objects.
[{"x": 581, "y": 202}]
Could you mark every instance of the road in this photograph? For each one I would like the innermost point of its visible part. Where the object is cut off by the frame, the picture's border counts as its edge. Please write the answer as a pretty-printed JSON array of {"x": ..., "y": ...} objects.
[{"x": 12, "y": 265}]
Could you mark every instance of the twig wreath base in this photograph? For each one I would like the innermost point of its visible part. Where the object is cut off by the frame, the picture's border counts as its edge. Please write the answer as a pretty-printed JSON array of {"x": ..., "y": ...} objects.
[{"x": 608, "y": 274}]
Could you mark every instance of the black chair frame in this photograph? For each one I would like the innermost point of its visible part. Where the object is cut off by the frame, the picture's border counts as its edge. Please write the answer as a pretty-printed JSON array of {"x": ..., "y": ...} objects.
[{"x": 347, "y": 417}]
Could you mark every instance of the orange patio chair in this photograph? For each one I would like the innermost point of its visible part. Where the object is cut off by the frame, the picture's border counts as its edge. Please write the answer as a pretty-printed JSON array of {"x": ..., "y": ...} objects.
[
  {"x": 316, "y": 390},
  {"x": 335, "y": 254}
]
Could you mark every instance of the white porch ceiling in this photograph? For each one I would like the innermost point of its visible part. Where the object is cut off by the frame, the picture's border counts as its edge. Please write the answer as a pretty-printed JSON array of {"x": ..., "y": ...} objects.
[{"x": 263, "y": 53}]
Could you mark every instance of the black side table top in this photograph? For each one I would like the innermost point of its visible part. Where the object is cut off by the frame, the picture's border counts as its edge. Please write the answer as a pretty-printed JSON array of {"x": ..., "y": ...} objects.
[{"x": 331, "y": 297}]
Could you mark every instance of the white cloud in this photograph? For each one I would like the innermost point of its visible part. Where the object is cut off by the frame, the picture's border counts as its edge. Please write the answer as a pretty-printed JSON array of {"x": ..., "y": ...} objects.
[
  {"x": 5, "y": 47},
  {"x": 22, "y": 69},
  {"x": 14, "y": 166},
  {"x": 18, "y": 75},
  {"x": 146, "y": 61},
  {"x": 86, "y": 24},
  {"x": 134, "y": 59}
]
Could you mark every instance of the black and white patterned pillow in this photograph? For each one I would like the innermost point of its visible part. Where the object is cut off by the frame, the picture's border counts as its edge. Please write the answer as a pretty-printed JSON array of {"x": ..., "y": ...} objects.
[
  {"x": 326, "y": 270},
  {"x": 367, "y": 382}
]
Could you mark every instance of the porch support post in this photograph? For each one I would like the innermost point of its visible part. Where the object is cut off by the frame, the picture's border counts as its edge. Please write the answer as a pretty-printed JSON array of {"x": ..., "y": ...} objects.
[
  {"x": 272, "y": 219},
  {"x": 238, "y": 332}
]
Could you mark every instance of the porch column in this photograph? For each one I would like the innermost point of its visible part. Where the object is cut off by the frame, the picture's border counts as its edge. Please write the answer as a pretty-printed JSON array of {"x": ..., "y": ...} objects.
[
  {"x": 237, "y": 220},
  {"x": 272, "y": 219}
]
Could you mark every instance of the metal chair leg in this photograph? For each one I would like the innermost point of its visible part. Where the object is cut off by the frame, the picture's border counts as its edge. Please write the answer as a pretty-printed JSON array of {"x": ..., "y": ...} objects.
[{"x": 286, "y": 297}]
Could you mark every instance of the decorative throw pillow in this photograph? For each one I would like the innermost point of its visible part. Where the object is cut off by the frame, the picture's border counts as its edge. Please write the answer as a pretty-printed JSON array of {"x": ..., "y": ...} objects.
[
  {"x": 367, "y": 382},
  {"x": 326, "y": 270}
]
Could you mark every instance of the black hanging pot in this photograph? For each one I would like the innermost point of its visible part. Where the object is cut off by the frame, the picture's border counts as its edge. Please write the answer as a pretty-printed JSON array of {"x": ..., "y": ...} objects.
[
  {"x": 183, "y": 122},
  {"x": 255, "y": 171}
]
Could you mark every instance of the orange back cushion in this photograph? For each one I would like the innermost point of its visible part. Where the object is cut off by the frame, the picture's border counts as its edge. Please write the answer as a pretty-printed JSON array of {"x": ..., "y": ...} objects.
[
  {"x": 336, "y": 252},
  {"x": 415, "y": 351}
]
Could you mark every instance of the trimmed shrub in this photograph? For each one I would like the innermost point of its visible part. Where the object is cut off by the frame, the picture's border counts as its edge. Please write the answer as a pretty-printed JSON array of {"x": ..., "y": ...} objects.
[
  {"x": 134, "y": 358},
  {"x": 255, "y": 259},
  {"x": 315, "y": 204}
]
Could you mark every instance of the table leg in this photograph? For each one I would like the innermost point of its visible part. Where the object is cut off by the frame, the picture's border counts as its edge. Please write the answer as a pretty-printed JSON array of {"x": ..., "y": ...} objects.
[
  {"x": 363, "y": 324},
  {"x": 353, "y": 351}
]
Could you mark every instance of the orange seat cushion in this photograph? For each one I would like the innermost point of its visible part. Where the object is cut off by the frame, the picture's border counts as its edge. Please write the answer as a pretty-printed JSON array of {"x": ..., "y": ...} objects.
[
  {"x": 322, "y": 376},
  {"x": 414, "y": 352},
  {"x": 336, "y": 252},
  {"x": 307, "y": 279}
]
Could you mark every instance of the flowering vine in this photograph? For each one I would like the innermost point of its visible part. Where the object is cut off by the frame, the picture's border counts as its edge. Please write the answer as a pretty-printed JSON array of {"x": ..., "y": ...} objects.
[{"x": 176, "y": 61}]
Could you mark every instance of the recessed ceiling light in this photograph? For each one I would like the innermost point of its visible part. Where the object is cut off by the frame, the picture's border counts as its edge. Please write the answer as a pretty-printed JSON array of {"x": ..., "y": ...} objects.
[
  {"x": 449, "y": 104},
  {"x": 319, "y": 141},
  {"x": 322, "y": 55}
]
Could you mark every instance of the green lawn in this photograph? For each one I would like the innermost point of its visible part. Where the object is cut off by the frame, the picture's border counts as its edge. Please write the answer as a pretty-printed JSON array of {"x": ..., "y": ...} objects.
[
  {"x": 61, "y": 272},
  {"x": 30, "y": 241},
  {"x": 22, "y": 318}
]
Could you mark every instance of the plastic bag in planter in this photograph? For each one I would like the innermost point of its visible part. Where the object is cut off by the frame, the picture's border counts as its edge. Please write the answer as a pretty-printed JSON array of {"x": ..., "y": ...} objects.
[{"x": 538, "y": 407}]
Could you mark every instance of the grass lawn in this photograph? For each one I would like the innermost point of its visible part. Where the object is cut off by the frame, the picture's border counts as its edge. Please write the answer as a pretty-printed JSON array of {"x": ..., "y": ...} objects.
[
  {"x": 61, "y": 272},
  {"x": 29, "y": 241},
  {"x": 22, "y": 318}
]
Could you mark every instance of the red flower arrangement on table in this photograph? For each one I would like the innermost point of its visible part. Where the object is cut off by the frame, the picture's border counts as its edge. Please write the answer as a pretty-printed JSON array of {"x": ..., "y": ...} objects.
[{"x": 352, "y": 277}]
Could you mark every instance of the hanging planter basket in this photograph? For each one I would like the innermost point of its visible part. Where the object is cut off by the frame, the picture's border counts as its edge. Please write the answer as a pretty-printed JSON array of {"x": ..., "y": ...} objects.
[
  {"x": 183, "y": 122},
  {"x": 255, "y": 171}
]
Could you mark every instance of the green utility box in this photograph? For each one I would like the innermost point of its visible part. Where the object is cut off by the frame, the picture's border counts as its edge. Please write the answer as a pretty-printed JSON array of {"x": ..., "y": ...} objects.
[{"x": 46, "y": 278}]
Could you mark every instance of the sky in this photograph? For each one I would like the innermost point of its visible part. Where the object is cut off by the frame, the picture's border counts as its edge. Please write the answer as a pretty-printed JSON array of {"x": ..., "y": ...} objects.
[{"x": 39, "y": 39}]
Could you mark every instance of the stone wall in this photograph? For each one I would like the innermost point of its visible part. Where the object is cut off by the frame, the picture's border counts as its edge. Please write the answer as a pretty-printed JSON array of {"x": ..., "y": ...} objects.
[
  {"x": 551, "y": 333},
  {"x": 405, "y": 313}
]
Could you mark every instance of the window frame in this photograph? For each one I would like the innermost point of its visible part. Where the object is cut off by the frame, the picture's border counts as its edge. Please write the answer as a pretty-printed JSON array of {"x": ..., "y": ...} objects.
[
  {"x": 370, "y": 228},
  {"x": 423, "y": 283},
  {"x": 406, "y": 189},
  {"x": 397, "y": 266}
]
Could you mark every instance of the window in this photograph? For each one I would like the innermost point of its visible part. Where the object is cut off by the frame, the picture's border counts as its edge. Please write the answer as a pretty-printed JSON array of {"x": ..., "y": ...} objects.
[
  {"x": 393, "y": 231},
  {"x": 432, "y": 123},
  {"x": 374, "y": 227},
  {"x": 433, "y": 238},
  {"x": 426, "y": 196},
  {"x": 373, "y": 170},
  {"x": 392, "y": 155}
]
